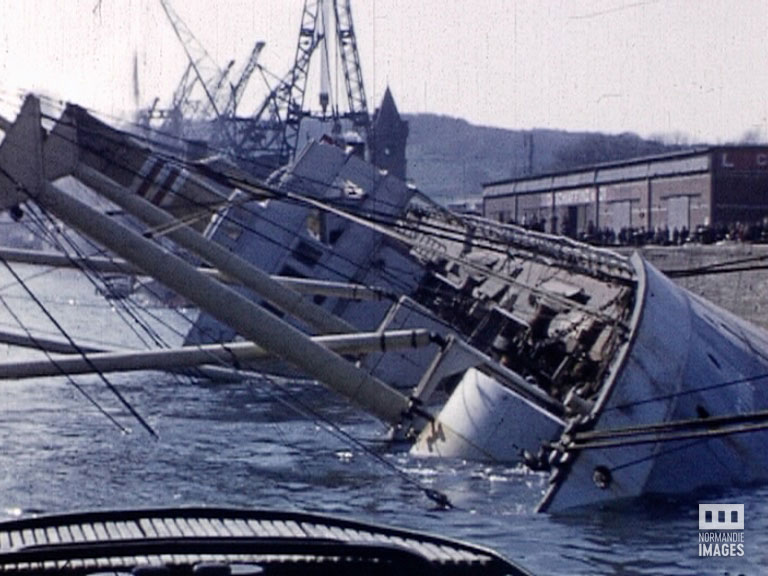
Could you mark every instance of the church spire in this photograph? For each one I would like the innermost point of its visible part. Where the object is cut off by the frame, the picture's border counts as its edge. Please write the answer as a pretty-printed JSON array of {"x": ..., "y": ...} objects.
[{"x": 387, "y": 140}]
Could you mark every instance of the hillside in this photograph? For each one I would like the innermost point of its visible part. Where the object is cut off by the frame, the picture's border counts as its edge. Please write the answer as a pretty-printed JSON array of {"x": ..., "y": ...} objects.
[{"x": 450, "y": 159}]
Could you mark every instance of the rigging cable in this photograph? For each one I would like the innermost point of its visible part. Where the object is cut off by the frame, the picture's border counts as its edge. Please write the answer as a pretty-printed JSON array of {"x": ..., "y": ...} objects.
[
  {"x": 100, "y": 284},
  {"x": 308, "y": 412},
  {"x": 675, "y": 395},
  {"x": 124, "y": 308},
  {"x": 302, "y": 200},
  {"x": 656, "y": 454},
  {"x": 71, "y": 381},
  {"x": 79, "y": 350},
  {"x": 385, "y": 218},
  {"x": 722, "y": 267},
  {"x": 323, "y": 206},
  {"x": 251, "y": 229},
  {"x": 69, "y": 339},
  {"x": 291, "y": 197},
  {"x": 671, "y": 431}
]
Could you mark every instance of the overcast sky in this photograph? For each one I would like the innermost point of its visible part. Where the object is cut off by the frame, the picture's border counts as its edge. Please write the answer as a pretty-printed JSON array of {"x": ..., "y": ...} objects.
[{"x": 692, "y": 67}]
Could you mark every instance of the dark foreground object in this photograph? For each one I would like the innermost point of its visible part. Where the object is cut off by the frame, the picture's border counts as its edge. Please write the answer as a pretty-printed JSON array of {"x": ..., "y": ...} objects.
[{"x": 231, "y": 541}]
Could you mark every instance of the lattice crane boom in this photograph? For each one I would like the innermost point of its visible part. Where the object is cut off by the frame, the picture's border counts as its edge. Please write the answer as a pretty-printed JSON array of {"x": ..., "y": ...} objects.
[
  {"x": 239, "y": 87},
  {"x": 211, "y": 78},
  {"x": 350, "y": 60},
  {"x": 275, "y": 127},
  {"x": 293, "y": 92},
  {"x": 285, "y": 103}
]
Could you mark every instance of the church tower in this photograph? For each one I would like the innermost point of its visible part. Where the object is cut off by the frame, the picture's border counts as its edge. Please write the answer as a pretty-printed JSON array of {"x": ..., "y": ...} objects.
[{"x": 387, "y": 139}]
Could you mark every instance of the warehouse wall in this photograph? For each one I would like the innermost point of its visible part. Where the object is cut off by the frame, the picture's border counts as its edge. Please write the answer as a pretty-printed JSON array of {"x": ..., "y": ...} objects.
[{"x": 713, "y": 186}]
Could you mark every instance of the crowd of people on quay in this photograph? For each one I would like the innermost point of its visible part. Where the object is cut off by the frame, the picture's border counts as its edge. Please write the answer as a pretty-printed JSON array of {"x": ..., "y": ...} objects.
[{"x": 755, "y": 232}]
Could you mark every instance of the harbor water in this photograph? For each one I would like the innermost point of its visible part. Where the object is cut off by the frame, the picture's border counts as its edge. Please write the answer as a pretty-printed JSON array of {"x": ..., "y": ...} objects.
[{"x": 271, "y": 444}]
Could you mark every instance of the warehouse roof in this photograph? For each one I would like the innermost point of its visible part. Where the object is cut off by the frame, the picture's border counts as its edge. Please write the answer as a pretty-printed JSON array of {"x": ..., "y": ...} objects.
[{"x": 677, "y": 163}]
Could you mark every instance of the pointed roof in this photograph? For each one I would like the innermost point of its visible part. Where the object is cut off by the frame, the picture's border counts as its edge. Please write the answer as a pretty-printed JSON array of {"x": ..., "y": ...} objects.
[{"x": 387, "y": 114}]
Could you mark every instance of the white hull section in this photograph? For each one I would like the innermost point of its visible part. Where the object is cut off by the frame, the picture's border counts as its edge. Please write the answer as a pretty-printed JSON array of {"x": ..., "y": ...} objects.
[
  {"x": 688, "y": 361},
  {"x": 484, "y": 420}
]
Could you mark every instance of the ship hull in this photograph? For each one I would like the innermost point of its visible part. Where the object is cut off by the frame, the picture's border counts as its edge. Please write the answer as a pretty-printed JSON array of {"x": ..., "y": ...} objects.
[{"x": 687, "y": 361}]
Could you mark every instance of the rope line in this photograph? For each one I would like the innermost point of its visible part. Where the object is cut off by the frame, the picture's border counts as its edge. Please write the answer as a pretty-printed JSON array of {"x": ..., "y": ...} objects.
[
  {"x": 71, "y": 381},
  {"x": 306, "y": 411}
]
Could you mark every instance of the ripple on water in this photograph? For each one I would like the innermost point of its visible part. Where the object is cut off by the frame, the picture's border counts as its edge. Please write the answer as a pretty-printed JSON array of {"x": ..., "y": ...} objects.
[{"x": 237, "y": 445}]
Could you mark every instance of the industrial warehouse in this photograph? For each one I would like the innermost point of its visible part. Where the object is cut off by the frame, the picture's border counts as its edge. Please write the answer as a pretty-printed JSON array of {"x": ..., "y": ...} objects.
[{"x": 666, "y": 196}]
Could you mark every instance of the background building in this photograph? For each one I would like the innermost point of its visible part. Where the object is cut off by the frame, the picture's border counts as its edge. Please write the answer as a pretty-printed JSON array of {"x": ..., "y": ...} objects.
[
  {"x": 388, "y": 138},
  {"x": 703, "y": 187}
]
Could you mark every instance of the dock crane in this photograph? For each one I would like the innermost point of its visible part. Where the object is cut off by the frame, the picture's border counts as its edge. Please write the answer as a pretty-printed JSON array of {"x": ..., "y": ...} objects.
[
  {"x": 269, "y": 137},
  {"x": 283, "y": 110},
  {"x": 220, "y": 95},
  {"x": 350, "y": 57},
  {"x": 202, "y": 70},
  {"x": 236, "y": 94}
]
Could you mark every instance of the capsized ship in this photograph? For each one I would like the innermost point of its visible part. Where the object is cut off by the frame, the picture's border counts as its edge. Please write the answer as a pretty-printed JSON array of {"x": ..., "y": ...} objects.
[{"x": 471, "y": 338}]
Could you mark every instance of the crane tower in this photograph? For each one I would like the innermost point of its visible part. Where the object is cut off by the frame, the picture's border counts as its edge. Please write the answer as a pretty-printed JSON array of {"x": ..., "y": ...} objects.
[
  {"x": 269, "y": 137},
  {"x": 284, "y": 109}
]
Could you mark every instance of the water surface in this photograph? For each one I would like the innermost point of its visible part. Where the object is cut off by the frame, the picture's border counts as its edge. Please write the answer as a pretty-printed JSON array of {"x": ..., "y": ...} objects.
[{"x": 269, "y": 444}]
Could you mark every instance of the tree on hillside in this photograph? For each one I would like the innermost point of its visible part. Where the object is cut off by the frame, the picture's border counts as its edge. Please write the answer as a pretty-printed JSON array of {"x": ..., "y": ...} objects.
[{"x": 599, "y": 148}]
